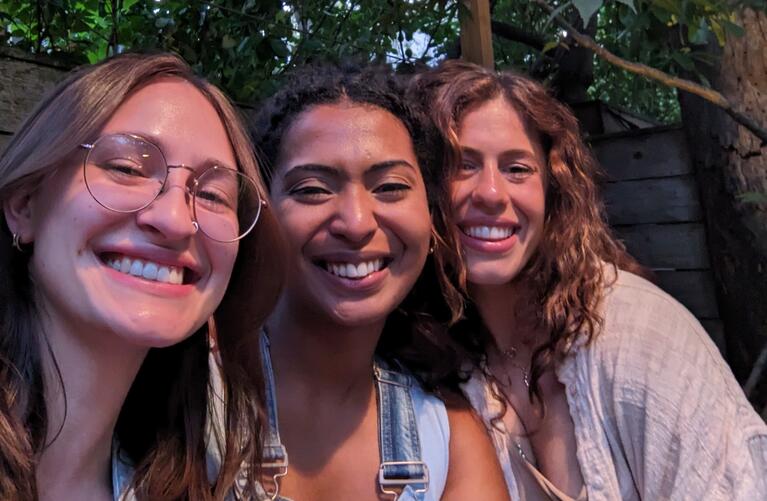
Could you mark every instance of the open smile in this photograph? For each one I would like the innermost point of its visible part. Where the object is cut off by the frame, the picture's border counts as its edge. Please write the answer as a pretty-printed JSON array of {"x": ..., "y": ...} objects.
[
  {"x": 489, "y": 233},
  {"x": 149, "y": 270}
]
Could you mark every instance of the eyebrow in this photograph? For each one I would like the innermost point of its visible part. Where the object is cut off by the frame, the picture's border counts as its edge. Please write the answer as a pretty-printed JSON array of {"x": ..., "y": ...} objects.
[
  {"x": 157, "y": 141},
  {"x": 336, "y": 172},
  {"x": 517, "y": 152}
]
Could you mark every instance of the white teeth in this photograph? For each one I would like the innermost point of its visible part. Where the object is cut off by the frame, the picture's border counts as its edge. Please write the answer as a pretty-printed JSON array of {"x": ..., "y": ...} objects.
[
  {"x": 136, "y": 268},
  {"x": 349, "y": 270},
  {"x": 148, "y": 270},
  {"x": 489, "y": 232}
]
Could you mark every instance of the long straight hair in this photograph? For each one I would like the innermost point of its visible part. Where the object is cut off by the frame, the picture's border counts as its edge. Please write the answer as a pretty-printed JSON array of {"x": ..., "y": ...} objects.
[{"x": 162, "y": 424}]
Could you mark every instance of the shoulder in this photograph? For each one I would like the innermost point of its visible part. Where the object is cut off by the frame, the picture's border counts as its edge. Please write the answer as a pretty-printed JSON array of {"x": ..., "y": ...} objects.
[
  {"x": 645, "y": 324},
  {"x": 473, "y": 459},
  {"x": 652, "y": 355}
]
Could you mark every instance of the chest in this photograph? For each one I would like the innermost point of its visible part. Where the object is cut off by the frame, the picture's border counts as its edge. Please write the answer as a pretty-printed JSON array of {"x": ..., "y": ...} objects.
[
  {"x": 333, "y": 453},
  {"x": 545, "y": 440}
]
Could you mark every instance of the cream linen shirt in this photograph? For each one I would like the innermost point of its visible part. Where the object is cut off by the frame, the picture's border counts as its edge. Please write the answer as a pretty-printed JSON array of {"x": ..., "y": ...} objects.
[{"x": 657, "y": 412}]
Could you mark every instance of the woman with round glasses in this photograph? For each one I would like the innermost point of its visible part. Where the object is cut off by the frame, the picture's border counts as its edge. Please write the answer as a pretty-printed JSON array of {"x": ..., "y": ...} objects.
[
  {"x": 593, "y": 382},
  {"x": 350, "y": 165},
  {"x": 134, "y": 227}
]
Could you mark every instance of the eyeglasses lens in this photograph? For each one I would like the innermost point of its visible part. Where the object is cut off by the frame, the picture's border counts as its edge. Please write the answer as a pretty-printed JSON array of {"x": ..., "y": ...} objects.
[
  {"x": 124, "y": 173},
  {"x": 226, "y": 204}
]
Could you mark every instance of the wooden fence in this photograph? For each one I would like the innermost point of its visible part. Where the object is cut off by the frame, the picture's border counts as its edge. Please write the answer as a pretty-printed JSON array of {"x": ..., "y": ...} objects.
[{"x": 653, "y": 204}]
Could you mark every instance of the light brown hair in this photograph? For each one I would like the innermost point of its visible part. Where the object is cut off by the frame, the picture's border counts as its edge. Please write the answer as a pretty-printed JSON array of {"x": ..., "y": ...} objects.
[
  {"x": 567, "y": 272},
  {"x": 162, "y": 424}
]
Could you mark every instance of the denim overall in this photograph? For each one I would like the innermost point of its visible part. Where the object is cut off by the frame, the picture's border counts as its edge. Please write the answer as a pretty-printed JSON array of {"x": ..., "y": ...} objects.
[{"x": 402, "y": 473}]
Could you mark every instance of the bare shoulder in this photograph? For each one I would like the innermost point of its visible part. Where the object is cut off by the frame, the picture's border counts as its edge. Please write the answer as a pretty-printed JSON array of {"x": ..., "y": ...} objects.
[{"x": 474, "y": 469}]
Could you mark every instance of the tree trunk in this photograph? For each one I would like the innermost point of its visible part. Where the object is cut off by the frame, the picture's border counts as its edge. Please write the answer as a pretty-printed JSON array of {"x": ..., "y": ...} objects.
[{"x": 730, "y": 162}]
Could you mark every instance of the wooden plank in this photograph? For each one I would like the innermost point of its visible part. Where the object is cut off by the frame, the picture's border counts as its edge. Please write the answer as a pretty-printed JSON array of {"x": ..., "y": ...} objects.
[
  {"x": 678, "y": 246},
  {"x": 644, "y": 155},
  {"x": 476, "y": 33},
  {"x": 667, "y": 200},
  {"x": 23, "y": 84},
  {"x": 694, "y": 289},
  {"x": 4, "y": 140}
]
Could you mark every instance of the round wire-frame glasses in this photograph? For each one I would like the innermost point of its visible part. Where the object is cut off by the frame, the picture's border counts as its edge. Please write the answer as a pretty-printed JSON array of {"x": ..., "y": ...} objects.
[{"x": 126, "y": 173}]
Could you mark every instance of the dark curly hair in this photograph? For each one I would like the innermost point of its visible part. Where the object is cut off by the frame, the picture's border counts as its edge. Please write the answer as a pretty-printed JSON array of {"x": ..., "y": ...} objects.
[{"x": 415, "y": 334}]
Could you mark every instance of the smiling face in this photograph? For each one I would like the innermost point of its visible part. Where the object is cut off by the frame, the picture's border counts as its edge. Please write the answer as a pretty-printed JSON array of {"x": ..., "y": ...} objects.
[
  {"x": 498, "y": 195},
  {"x": 147, "y": 276},
  {"x": 352, "y": 203}
]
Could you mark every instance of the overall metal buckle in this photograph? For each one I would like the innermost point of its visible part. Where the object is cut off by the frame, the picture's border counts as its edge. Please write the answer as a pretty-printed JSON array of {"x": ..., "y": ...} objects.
[
  {"x": 388, "y": 485},
  {"x": 281, "y": 466}
]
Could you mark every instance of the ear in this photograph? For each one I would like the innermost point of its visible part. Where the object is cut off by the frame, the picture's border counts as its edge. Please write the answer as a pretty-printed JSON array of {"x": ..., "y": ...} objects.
[{"x": 17, "y": 209}]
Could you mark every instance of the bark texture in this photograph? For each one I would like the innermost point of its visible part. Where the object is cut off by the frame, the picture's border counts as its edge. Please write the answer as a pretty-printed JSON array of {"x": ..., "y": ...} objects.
[{"x": 729, "y": 163}]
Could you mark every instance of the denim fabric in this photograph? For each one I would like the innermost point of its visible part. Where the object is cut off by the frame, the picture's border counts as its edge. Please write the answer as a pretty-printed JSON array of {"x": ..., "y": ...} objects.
[
  {"x": 402, "y": 466},
  {"x": 399, "y": 441}
]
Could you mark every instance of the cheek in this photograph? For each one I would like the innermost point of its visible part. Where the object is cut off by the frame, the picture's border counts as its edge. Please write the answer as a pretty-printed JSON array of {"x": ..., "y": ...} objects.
[{"x": 222, "y": 260}]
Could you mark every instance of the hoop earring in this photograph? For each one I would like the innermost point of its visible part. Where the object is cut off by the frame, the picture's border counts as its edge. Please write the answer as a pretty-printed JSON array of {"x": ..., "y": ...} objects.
[{"x": 17, "y": 242}]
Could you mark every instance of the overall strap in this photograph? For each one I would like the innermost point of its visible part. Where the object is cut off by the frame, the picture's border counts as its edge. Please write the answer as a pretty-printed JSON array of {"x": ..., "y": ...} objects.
[
  {"x": 402, "y": 467},
  {"x": 275, "y": 458}
]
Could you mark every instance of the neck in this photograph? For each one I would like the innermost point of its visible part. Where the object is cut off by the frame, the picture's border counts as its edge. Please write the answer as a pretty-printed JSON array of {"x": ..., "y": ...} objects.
[
  {"x": 96, "y": 370},
  {"x": 508, "y": 313},
  {"x": 321, "y": 358}
]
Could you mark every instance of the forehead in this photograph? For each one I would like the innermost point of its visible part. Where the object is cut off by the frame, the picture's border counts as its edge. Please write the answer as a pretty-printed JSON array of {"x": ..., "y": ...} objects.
[
  {"x": 178, "y": 117},
  {"x": 497, "y": 122},
  {"x": 345, "y": 135}
]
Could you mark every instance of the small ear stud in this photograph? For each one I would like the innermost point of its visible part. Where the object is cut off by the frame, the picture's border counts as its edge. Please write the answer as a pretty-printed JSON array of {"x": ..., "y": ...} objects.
[{"x": 17, "y": 242}]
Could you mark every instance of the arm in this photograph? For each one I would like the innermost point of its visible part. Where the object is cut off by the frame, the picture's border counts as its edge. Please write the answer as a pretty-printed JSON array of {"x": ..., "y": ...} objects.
[{"x": 474, "y": 472}]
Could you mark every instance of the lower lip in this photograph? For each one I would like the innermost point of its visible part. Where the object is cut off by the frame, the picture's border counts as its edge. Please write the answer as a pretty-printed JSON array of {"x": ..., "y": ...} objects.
[
  {"x": 150, "y": 286},
  {"x": 488, "y": 246},
  {"x": 365, "y": 284}
]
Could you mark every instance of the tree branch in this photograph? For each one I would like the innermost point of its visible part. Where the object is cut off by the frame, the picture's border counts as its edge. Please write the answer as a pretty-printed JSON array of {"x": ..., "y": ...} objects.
[
  {"x": 515, "y": 34},
  {"x": 706, "y": 93}
]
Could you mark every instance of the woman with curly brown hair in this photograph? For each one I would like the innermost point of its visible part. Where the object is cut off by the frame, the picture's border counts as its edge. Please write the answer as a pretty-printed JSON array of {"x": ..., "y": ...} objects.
[{"x": 593, "y": 382}]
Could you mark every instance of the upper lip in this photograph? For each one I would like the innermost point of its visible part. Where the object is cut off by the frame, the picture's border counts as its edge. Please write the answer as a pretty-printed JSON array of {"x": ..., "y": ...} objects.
[{"x": 157, "y": 255}]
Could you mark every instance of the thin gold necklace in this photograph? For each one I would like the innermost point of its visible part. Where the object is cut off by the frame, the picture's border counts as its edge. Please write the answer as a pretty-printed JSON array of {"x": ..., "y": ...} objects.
[{"x": 510, "y": 354}]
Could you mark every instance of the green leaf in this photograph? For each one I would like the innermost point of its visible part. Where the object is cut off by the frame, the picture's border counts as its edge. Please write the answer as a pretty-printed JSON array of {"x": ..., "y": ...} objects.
[
  {"x": 630, "y": 3},
  {"x": 279, "y": 47},
  {"x": 753, "y": 197},
  {"x": 553, "y": 44},
  {"x": 228, "y": 42},
  {"x": 587, "y": 8}
]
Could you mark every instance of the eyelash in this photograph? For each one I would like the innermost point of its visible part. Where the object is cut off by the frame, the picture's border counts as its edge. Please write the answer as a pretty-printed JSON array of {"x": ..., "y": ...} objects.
[{"x": 515, "y": 171}]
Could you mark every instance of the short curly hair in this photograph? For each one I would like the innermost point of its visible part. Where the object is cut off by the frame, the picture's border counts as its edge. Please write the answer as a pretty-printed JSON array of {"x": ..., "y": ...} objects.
[
  {"x": 329, "y": 83},
  {"x": 412, "y": 336}
]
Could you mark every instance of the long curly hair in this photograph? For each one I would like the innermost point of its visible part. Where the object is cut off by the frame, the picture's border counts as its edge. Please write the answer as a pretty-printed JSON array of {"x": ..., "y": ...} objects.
[
  {"x": 162, "y": 423},
  {"x": 567, "y": 272},
  {"x": 415, "y": 333}
]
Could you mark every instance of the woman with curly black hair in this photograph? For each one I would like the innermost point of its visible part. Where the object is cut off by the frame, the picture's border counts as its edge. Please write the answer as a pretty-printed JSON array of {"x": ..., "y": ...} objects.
[{"x": 350, "y": 165}]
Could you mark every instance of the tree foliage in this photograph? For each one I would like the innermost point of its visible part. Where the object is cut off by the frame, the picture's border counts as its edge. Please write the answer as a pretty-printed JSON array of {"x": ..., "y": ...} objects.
[{"x": 246, "y": 46}]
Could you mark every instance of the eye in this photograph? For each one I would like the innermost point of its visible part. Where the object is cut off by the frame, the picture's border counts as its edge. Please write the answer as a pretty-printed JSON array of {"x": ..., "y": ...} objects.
[
  {"x": 309, "y": 192},
  {"x": 517, "y": 172},
  {"x": 468, "y": 165},
  {"x": 123, "y": 170}
]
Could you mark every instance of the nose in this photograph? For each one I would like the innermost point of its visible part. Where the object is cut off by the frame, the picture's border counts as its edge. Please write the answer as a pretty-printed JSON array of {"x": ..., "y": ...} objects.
[
  {"x": 355, "y": 219},
  {"x": 170, "y": 215},
  {"x": 488, "y": 192}
]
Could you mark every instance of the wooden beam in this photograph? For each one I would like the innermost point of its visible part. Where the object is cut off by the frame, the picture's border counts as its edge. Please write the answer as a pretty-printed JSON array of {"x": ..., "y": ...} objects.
[{"x": 476, "y": 33}]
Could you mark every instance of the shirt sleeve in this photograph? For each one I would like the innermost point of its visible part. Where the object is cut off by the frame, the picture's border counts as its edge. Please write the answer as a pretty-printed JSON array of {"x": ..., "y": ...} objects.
[{"x": 682, "y": 423}]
